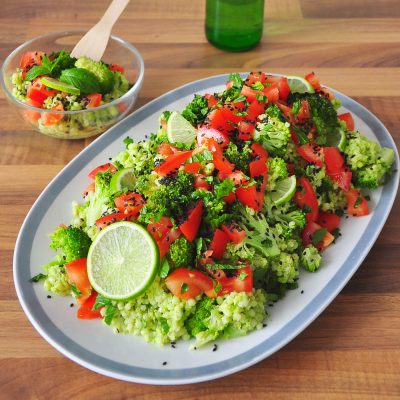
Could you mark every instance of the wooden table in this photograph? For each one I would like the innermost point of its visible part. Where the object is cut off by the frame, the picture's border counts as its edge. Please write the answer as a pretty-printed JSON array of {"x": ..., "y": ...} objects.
[{"x": 352, "y": 351}]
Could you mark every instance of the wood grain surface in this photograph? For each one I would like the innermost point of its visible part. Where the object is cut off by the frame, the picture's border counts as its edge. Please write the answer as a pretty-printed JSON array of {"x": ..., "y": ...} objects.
[{"x": 352, "y": 351}]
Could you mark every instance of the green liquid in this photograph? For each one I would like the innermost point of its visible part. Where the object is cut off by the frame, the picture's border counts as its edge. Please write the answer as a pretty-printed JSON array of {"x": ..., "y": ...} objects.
[{"x": 234, "y": 25}]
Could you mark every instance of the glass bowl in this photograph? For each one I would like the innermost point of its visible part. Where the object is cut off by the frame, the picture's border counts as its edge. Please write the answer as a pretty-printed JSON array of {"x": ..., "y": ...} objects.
[{"x": 83, "y": 123}]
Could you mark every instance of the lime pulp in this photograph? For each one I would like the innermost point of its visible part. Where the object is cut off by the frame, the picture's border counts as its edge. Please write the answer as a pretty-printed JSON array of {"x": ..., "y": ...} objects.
[
  {"x": 298, "y": 84},
  {"x": 284, "y": 190},
  {"x": 122, "y": 261},
  {"x": 180, "y": 130},
  {"x": 58, "y": 85},
  {"x": 124, "y": 178}
]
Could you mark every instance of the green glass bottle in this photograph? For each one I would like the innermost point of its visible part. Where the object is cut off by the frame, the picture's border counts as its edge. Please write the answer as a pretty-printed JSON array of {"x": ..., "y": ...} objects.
[{"x": 234, "y": 25}]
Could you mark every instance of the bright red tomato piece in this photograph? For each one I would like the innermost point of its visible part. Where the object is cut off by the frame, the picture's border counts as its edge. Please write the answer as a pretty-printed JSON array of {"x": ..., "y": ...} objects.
[
  {"x": 211, "y": 100},
  {"x": 102, "y": 168},
  {"x": 109, "y": 219},
  {"x": 223, "y": 119},
  {"x": 306, "y": 197},
  {"x": 357, "y": 206},
  {"x": 85, "y": 311},
  {"x": 31, "y": 58},
  {"x": 252, "y": 196},
  {"x": 237, "y": 177},
  {"x": 201, "y": 183},
  {"x": 116, "y": 68},
  {"x": 249, "y": 93},
  {"x": 259, "y": 151},
  {"x": 314, "y": 80},
  {"x": 167, "y": 149},
  {"x": 188, "y": 284},
  {"x": 330, "y": 221},
  {"x": 218, "y": 243},
  {"x": 129, "y": 203},
  {"x": 77, "y": 274},
  {"x": 255, "y": 109},
  {"x": 190, "y": 227},
  {"x": 193, "y": 168},
  {"x": 311, "y": 153},
  {"x": 230, "y": 198},
  {"x": 205, "y": 132},
  {"x": 348, "y": 119},
  {"x": 246, "y": 130},
  {"x": 163, "y": 233},
  {"x": 220, "y": 162},
  {"x": 272, "y": 93},
  {"x": 94, "y": 99},
  {"x": 173, "y": 162},
  {"x": 32, "y": 116},
  {"x": 334, "y": 161},
  {"x": 342, "y": 178},
  {"x": 254, "y": 77},
  {"x": 242, "y": 282},
  {"x": 235, "y": 233},
  {"x": 308, "y": 233},
  {"x": 50, "y": 118}
]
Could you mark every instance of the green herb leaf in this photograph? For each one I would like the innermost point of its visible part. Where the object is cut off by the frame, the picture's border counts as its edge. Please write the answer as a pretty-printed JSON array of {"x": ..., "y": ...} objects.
[
  {"x": 296, "y": 107},
  {"x": 261, "y": 98},
  {"x": 242, "y": 276},
  {"x": 38, "y": 277},
  {"x": 318, "y": 235},
  {"x": 236, "y": 79},
  {"x": 75, "y": 290},
  {"x": 164, "y": 269},
  {"x": 223, "y": 266},
  {"x": 200, "y": 245},
  {"x": 301, "y": 134},
  {"x": 358, "y": 200},
  {"x": 184, "y": 288},
  {"x": 110, "y": 309},
  {"x": 61, "y": 60},
  {"x": 164, "y": 325},
  {"x": 36, "y": 71},
  {"x": 128, "y": 141},
  {"x": 257, "y": 86},
  {"x": 82, "y": 79},
  {"x": 224, "y": 188},
  {"x": 239, "y": 99},
  {"x": 217, "y": 286}
]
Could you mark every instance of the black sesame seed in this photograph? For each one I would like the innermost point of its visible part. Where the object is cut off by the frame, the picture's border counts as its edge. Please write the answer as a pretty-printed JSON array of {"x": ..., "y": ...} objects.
[
  {"x": 164, "y": 363},
  {"x": 71, "y": 305},
  {"x": 215, "y": 347},
  {"x": 302, "y": 292},
  {"x": 48, "y": 296}
]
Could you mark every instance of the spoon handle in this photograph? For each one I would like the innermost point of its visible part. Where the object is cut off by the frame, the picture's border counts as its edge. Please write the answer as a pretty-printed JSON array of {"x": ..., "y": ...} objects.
[{"x": 112, "y": 13}]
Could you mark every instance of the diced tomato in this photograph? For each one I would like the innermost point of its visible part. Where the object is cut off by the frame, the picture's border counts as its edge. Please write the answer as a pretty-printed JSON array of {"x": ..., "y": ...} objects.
[
  {"x": 304, "y": 112},
  {"x": 85, "y": 311},
  {"x": 193, "y": 168},
  {"x": 286, "y": 111},
  {"x": 307, "y": 197},
  {"x": 219, "y": 242},
  {"x": 259, "y": 151},
  {"x": 102, "y": 168},
  {"x": 188, "y": 284},
  {"x": 308, "y": 233},
  {"x": 116, "y": 68},
  {"x": 206, "y": 258},
  {"x": 219, "y": 160},
  {"x": 237, "y": 177},
  {"x": 109, "y": 219},
  {"x": 167, "y": 149},
  {"x": 129, "y": 203},
  {"x": 251, "y": 196},
  {"x": 246, "y": 130},
  {"x": 255, "y": 109},
  {"x": 205, "y": 132},
  {"x": 294, "y": 136},
  {"x": 50, "y": 118},
  {"x": 327, "y": 93},
  {"x": 258, "y": 168},
  {"x": 254, "y": 77},
  {"x": 190, "y": 227},
  {"x": 235, "y": 233},
  {"x": 173, "y": 162},
  {"x": 342, "y": 178},
  {"x": 223, "y": 119},
  {"x": 242, "y": 282},
  {"x": 230, "y": 198},
  {"x": 201, "y": 183},
  {"x": 314, "y": 80},
  {"x": 272, "y": 93},
  {"x": 163, "y": 233},
  {"x": 283, "y": 88},
  {"x": 357, "y": 206},
  {"x": 90, "y": 188},
  {"x": 238, "y": 105},
  {"x": 32, "y": 116},
  {"x": 333, "y": 159},
  {"x": 94, "y": 100},
  {"x": 31, "y": 58},
  {"x": 250, "y": 93},
  {"x": 311, "y": 153},
  {"x": 39, "y": 92},
  {"x": 211, "y": 100},
  {"x": 348, "y": 119},
  {"x": 77, "y": 274},
  {"x": 327, "y": 220}
]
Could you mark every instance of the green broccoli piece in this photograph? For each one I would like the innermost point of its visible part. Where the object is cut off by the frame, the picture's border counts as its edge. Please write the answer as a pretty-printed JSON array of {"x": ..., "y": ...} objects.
[
  {"x": 196, "y": 111},
  {"x": 310, "y": 258},
  {"x": 171, "y": 199},
  {"x": 296, "y": 217},
  {"x": 277, "y": 171},
  {"x": 273, "y": 134},
  {"x": 371, "y": 164},
  {"x": 196, "y": 323},
  {"x": 286, "y": 267},
  {"x": 239, "y": 154},
  {"x": 73, "y": 242},
  {"x": 274, "y": 111},
  {"x": 181, "y": 252}
]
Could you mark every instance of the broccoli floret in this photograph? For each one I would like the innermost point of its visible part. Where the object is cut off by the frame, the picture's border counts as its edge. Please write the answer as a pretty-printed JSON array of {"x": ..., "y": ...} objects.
[
  {"x": 296, "y": 217},
  {"x": 196, "y": 111},
  {"x": 277, "y": 171},
  {"x": 286, "y": 267},
  {"x": 171, "y": 199},
  {"x": 274, "y": 111},
  {"x": 73, "y": 243},
  {"x": 239, "y": 155},
  {"x": 196, "y": 323},
  {"x": 273, "y": 134},
  {"x": 310, "y": 258},
  {"x": 370, "y": 162},
  {"x": 181, "y": 252},
  {"x": 146, "y": 185}
]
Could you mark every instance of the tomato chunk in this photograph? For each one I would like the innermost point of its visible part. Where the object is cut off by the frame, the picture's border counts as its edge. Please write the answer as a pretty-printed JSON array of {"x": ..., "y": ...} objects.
[
  {"x": 235, "y": 233},
  {"x": 190, "y": 227},
  {"x": 306, "y": 198},
  {"x": 109, "y": 219},
  {"x": 94, "y": 99},
  {"x": 102, "y": 168},
  {"x": 50, "y": 118},
  {"x": 85, "y": 311},
  {"x": 167, "y": 149},
  {"x": 163, "y": 233},
  {"x": 77, "y": 274},
  {"x": 116, "y": 68},
  {"x": 348, "y": 119},
  {"x": 129, "y": 203},
  {"x": 173, "y": 162},
  {"x": 311, "y": 153},
  {"x": 308, "y": 235},
  {"x": 330, "y": 221},
  {"x": 219, "y": 242},
  {"x": 314, "y": 80},
  {"x": 205, "y": 132},
  {"x": 357, "y": 206},
  {"x": 242, "y": 282}
]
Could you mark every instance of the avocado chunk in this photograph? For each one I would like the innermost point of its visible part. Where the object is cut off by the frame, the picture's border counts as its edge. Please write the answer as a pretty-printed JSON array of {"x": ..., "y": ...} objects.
[{"x": 98, "y": 68}]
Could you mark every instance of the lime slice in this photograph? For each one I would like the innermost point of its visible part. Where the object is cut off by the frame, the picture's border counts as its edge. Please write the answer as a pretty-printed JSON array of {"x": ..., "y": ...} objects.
[
  {"x": 299, "y": 85},
  {"x": 284, "y": 190},
  {"x": 180, "y": 130},
  {"x": 337, "y": 139},
  {"x": 124, "y": 178},
  {"x": 122, "y": 261},
  {"x": 58, "y": 85}
]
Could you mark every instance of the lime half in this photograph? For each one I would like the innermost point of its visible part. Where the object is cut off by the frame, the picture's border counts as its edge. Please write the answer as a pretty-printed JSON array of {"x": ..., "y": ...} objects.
[
  {"x": 124, "y": 178},
  {"x": 299, "y": 85},
  {"x": 284, "y": 190},
  {"x": 58, "y": 85},
  {"x": 122, "y": 261},
  {"x": 337, "y": 139},
  {"x": 180, "y": 130}
]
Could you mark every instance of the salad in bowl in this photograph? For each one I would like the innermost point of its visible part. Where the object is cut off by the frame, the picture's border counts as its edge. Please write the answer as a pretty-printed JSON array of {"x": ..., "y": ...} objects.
[{"x": 194, "y": 231}]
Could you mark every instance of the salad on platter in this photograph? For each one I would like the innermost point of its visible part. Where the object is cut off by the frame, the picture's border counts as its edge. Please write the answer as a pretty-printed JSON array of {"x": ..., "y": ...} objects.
[
  {"x": 192, "y": 232},
  {"x": 59, "y": 82}
]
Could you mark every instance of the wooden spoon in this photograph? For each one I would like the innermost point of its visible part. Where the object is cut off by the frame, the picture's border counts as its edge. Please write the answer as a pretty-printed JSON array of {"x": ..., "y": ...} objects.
[{"x": 94, "y": 43}]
